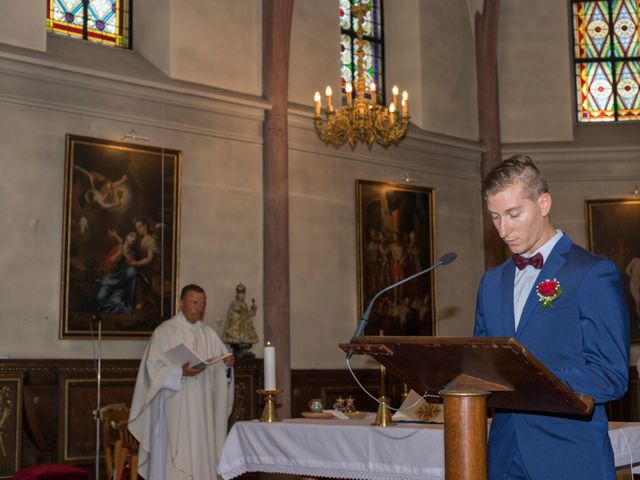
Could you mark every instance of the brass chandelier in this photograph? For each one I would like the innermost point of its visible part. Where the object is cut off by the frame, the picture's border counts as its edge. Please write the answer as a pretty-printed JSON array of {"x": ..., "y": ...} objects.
[{"x": 361, "y": 118}]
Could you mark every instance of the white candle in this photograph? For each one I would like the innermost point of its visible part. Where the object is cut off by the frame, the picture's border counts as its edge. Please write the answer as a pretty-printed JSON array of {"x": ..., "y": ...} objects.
[
  {"x": 328, "y": 93},
  {"x": 349, "y": 89},
  {"x": 269, "y": 367},
  {"x": 316, "y": 99},
  {"x": 405, "y": 104}
]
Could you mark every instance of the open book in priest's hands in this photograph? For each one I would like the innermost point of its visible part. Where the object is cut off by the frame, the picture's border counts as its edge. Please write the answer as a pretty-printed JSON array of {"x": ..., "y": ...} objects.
[{"x": 181, "y": 354}]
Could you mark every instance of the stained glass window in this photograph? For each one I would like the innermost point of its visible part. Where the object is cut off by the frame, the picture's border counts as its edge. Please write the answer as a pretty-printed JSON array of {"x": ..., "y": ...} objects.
[
  {"x": 607, "y": 59},
  {"x": 101, "y": 21},
  {"x": 373, "y": 45}
]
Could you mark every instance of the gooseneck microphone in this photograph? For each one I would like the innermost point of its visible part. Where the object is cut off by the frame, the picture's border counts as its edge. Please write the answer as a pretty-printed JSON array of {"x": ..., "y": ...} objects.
[{"x": 445, "y": 259}]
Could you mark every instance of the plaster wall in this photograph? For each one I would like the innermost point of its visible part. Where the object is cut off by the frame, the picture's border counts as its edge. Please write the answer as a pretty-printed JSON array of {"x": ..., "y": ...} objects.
[
  {"x": 403, "y": 55},
  {"x": 221, "y": 221},
  {"x": 324, "y": 309},
  {"x": 314, "y": 55},
  {"x": 217, "y": 43},
  {"x": 447, "y": 62},
  {"x": 23, "y": 24},
  {"x": 423, "y": 55},
  {"x": 152, "y": 32},
  {"x": 535, "y": 72}
]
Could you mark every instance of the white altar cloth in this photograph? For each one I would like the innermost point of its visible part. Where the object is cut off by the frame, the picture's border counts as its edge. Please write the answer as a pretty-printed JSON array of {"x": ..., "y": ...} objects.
[{"x": 354, "y": 449}]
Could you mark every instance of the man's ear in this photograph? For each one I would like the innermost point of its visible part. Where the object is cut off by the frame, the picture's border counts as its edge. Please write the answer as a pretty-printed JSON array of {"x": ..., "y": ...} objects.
[{"x": 544, "y": 202}]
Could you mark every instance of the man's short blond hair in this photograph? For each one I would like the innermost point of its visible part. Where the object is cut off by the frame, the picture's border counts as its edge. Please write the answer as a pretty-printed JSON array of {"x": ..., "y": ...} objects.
[{"x": 515, "y": 169}]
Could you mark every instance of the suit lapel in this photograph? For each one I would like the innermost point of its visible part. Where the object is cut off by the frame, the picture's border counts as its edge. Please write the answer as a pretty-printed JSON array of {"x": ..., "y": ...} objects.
[
  {"x": 506, "y": 284},
  {"x": 557, "y": 258}
]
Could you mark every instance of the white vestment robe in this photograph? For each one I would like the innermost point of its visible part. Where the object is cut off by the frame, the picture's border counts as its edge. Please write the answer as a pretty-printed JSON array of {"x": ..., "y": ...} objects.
[{"x": 180, "y": 422}]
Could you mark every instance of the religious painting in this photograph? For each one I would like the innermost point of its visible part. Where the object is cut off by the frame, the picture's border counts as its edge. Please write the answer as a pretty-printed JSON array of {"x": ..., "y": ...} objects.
[
  {"x": 78, "y": 442},
  {"x": 612, "y": 228},
  {"x": 10, "y": 425},
  {"x": 394, "y": 241},
  {"x": 120, "y": 238}
]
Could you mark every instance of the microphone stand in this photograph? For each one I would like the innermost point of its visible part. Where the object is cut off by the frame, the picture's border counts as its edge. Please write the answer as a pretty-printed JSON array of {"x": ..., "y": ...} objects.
[
  {"x": 444, "y": 260},
  {"x": 98, "y": 318}
]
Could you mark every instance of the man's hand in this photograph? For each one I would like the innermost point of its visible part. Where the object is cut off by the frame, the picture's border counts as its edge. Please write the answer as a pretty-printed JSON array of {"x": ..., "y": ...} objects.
[
  {"x": 230, "y": 360},
  {"x": 188, "y": 371}
]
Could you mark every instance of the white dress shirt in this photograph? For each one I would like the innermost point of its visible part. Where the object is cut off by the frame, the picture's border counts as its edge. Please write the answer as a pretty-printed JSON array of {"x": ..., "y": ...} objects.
[{"x": 525, "y": 278}]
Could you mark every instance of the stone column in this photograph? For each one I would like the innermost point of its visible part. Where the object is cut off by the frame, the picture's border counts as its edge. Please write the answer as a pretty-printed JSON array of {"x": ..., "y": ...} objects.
[
  {"x": 276, "y": 25},
  {"x": 489, "y": 113}
]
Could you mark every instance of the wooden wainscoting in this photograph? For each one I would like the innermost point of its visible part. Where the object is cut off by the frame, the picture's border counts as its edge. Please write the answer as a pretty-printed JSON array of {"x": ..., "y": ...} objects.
[{"x": 59, "y": 396}]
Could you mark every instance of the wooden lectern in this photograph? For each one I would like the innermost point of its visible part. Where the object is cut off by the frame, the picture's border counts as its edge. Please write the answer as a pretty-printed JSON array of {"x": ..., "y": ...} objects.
[{"x": 469, "y": 374}]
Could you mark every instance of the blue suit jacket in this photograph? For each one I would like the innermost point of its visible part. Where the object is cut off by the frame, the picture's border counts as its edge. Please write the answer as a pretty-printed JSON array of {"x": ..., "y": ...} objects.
[{"x": 583, "y": 338}]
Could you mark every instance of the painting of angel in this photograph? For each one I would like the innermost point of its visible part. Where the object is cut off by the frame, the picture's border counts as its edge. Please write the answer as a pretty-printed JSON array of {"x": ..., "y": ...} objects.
[{"x": 120, "y": 237}]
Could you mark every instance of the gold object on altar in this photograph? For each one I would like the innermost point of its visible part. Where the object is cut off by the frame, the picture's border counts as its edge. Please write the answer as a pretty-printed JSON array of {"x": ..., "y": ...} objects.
[
  {"x": 323, "y": 415},
  {"x": 269, "y": 414},
  {"x": 361, "y": 118},
  {"x": 383, "y": 417},
  {"x": 405, "y": 392}
]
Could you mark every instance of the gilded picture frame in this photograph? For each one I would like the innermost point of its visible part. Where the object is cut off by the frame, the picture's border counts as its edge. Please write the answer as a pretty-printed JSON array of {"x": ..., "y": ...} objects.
[
  {"x": 10, "y": 425},
  {"x": 395, "y": 239},
  {"x": 120, "y": 238},
  {"x": 612, "y": 231}
]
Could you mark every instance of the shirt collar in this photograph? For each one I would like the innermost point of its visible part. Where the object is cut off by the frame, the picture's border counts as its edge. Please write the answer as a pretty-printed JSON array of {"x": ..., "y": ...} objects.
[
  {"x": 186, "y": 323},
  {"x": 545, "y": 249}
]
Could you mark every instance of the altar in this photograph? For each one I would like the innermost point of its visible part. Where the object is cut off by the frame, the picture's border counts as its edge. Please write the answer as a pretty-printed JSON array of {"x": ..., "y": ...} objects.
[{"x": 355, "y": 449}]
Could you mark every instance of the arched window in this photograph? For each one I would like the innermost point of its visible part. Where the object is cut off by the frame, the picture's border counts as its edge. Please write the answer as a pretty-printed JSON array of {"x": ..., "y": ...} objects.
[
  {"x": 607, "y": 60},
  {"x": 101, "y": 21},
  {"x": 373, "y": 47}
]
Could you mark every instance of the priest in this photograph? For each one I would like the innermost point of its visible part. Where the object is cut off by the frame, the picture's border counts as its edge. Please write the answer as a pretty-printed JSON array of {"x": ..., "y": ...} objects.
[{"x": 179, "y": 413}]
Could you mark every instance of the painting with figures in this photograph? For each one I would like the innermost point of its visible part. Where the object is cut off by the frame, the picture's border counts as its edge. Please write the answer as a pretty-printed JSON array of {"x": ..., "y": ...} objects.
[
  {"x": 395, "y": 241},
  {"x": 612, "y": 228},
  {"x": 120, "y": 237}
]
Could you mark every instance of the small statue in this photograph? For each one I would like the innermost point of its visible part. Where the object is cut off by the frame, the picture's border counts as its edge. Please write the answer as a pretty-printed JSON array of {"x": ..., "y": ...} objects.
[{"x": 239, "y": 331}]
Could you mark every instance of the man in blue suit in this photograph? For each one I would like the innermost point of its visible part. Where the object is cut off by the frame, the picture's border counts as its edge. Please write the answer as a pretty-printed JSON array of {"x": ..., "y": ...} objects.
[{"x": 566, "y": 306}]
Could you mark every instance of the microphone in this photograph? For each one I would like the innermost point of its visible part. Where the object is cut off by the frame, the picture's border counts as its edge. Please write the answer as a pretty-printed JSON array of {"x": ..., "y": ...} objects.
[{"x": 445, "y": 259}]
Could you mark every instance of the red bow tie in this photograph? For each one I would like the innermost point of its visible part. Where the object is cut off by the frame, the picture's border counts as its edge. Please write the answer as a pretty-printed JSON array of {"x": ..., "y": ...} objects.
[{"x": 521, "y": 262}]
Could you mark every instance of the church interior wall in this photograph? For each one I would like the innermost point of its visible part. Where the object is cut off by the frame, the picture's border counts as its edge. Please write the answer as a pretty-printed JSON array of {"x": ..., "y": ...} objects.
[
  {"x": 447, "y": 66},
  {"x": 221, "y": 222},
  {"x": 224, "y": 51},
  {"x": 25, "y": 25},
  {"x": 152, "y": 33},
  {"x": 535, "y": 72},
  {"x": 211, "y": 109},
  {"x": 323, "y": 235}
]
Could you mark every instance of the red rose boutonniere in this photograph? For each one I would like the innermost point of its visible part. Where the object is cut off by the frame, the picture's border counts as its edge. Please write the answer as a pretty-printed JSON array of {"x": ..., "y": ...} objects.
[{"x": 548, "y": 292}]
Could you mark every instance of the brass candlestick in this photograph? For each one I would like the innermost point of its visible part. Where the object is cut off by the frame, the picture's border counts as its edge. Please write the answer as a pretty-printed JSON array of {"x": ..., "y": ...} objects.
[
  {"x": 383, "y": 417},
  {"x": 405, "y": 392},
  {"x": 269, "y": 413}
]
